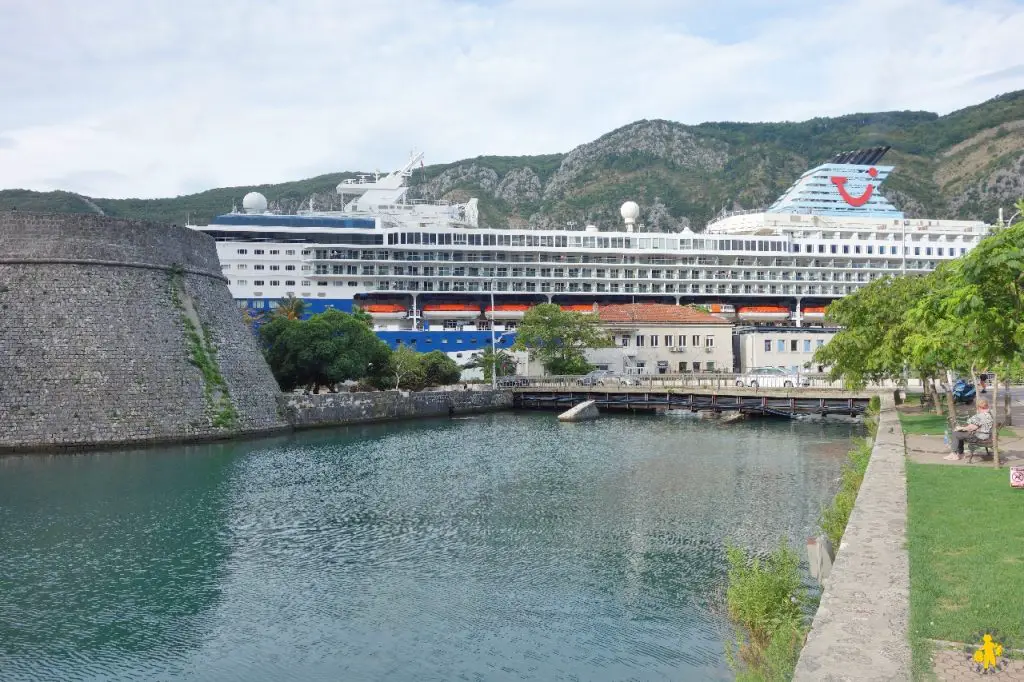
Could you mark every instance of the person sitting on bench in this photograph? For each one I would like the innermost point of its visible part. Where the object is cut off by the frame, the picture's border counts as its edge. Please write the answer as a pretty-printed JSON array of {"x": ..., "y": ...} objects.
[{"x": 977, "y": 428}]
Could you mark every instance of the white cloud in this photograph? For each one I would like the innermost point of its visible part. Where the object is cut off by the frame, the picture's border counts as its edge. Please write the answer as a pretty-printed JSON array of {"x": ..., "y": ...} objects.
[{"x": 161, "y": 98}]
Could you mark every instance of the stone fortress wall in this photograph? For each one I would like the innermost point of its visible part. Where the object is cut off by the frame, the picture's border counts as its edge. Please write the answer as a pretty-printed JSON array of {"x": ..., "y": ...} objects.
[{"x": 119, "y": 331}]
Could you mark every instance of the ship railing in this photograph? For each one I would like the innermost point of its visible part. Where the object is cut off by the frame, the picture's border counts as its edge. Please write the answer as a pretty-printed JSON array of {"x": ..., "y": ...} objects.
[{"x": 703, "y": 379}]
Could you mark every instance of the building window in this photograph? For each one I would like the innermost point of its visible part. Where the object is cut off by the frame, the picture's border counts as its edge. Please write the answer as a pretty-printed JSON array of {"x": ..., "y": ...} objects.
[
  {"x": 807, "y": 345},
  {"x": 682, "y": 340},
  {"x": 240, "y": 282},
  {"x": 274, "y": 252},
  {"x": 821, "y": 342},
  {"x": 242, "y": 266},
  {"x": 305, "y": 282},
  {"x": 668, "y": 339},
  {"x": 780, "y": 345},
  {"x": 257, "y": 304},
  {"x": 709, "y": 341},
  {"x": 654, "y": 340},
  {"x": 682, "y": 366},
  {"x": 710, "y": 366},
  {"x": 767, "y": 345},
  {"x": 696, "y": 367},
  {"x": 792, "y": 345},
  {"x": 625, "y": 341},
  {"x": 639, "y": 340},
  {"x": 696, "y": 340}
]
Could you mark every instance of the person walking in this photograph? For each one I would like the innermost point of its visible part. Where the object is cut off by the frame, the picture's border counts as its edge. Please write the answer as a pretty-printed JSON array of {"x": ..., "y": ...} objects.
[{"x": 978, "y": 427}]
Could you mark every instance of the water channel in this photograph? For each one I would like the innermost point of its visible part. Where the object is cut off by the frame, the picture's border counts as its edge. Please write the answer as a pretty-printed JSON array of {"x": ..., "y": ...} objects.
[{"x": 499, "y": 547}]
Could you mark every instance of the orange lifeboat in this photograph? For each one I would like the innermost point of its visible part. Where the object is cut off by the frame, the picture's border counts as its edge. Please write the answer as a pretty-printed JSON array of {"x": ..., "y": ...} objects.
[
  {"x": 451, "y": 311},
  {"x": 579, "y": 307},
  {"x": 763, "y": 313},
  {"x": 506, "y": 311},
  {"x": 385, "y": 311},
  {"x": 814, "y": 312}
]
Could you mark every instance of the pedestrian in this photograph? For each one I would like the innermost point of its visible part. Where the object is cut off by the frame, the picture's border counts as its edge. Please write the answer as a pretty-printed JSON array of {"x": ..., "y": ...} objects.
[{"x": 978, "y": 427}]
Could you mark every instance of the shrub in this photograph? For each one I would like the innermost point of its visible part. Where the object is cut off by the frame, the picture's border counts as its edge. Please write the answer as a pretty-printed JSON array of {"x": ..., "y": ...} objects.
[
  {"x": 835, "y": 517},
  {"x": 764, "y": 598},
  {"x": 874, "y": 405}
]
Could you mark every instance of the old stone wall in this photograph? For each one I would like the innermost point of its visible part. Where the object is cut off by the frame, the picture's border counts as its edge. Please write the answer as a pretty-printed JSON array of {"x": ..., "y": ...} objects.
[
  {"x": 95, "y": 342},
  {"x": 327, "y": 409}
]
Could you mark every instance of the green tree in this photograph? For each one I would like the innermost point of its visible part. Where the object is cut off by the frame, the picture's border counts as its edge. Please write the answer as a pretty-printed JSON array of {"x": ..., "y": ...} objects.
[
  {"x": 290, "y": 308},
  {"x": 489, "y": 360},
  {"x": 870, "y": 346},
  {"x": 439, "y": 369},
  {"x": 559, "y": 338},
  {"x": 406, "y": 369},
  {"x": 324, "y": 350}
]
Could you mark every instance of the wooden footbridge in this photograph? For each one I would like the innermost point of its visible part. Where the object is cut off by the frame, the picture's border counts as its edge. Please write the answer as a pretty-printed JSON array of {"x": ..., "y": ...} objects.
[{"x": 780, "y": 402}]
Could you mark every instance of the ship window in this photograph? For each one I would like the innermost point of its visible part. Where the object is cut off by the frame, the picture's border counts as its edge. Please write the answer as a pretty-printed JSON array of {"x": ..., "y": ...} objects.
[
  {"x": 846, "y": 248},
  {"x": 321, "y": 284},
  {"x": 242, "y": 252},
  {"x": 821, "y": 248},
  {"x": 290, "y": 252},
  {"x": 240, "y": 282},
  {"x": 289, "y": 282},
  {"x": 856, "y": 249},
  {"x": 258, "y": 283},
  {"x": 275, "y": 283},
  {"x": 258, "y": 252},
  {"x": 257, "y": 267}
]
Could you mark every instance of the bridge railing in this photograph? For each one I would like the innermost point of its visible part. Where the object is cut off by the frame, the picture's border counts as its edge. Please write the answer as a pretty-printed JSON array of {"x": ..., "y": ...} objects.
[{"x": 707, "y": 380}]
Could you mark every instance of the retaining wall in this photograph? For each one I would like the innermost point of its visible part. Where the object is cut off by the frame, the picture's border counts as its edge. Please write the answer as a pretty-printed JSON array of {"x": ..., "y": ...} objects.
[
  {"x": 860, "y": 631},
  {"x": 94, "y": 348},
  {"x": 333, "y": 409}
]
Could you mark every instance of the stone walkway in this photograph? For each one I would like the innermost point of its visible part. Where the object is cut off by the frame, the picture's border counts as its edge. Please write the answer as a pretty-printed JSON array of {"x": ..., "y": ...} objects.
[
  {"x": 861, "y": 627},
  {"x": 952, "y": 666}
]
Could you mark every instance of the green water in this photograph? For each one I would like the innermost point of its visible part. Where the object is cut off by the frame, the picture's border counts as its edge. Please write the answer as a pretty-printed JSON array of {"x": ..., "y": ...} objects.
[{"x": 500, "y": 547}]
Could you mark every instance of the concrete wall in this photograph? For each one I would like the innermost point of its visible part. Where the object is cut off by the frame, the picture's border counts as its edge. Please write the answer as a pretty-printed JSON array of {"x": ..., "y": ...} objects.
[
  {"x": 861, "y": 629},
  {"x": 93, "y": 343},
  {"x": 329, "y": 409}
]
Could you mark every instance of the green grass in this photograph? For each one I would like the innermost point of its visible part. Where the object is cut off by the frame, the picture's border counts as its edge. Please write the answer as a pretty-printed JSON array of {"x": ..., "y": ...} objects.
[
  {"x": 934, "y": 425},
  {"x": 965, "y": 531}
]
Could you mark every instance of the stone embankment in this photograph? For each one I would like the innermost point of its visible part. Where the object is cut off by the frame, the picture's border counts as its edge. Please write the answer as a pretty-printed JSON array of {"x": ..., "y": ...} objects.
[
  {"x": 121, "y": 332},
  {"x": 860, "y": 631},
  {"x": 337, "y": 409}
]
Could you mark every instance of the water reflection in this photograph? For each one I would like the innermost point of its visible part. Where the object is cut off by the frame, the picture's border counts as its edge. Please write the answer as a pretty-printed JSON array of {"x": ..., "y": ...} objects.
[{"x": 500, "y": 547}]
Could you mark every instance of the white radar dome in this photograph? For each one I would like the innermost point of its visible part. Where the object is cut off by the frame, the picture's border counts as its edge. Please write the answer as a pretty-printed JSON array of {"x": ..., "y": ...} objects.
[
  {"x": 630, "y": 211},
  {"x": 591, "y": 228},
  {"x": 254, "y": 202}
]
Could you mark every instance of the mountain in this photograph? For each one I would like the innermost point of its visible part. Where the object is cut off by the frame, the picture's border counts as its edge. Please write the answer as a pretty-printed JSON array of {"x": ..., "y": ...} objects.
[{"x": 965, "y": 164}]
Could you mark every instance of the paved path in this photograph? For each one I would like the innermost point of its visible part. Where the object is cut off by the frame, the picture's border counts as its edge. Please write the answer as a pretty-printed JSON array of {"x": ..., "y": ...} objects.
[
  {"x": 953, "y": 666},
  {"x": 860, "y": 631}
]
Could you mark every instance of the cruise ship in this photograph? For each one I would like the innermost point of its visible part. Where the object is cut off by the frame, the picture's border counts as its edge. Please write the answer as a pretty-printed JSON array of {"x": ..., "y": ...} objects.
[{"x": 432, "y": 278}]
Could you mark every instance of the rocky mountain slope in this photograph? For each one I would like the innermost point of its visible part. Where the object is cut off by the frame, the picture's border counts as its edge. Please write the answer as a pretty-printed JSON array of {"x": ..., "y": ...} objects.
[{"x": 965, "y": 164}]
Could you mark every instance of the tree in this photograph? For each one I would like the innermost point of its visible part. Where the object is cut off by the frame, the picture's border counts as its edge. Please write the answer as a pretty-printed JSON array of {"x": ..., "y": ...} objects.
[
  {"x": 324, "y": 350},
  {"x": 405, "y": 368},
  {"x": 439, "y": 369},
  {"x": 870, "y": 345},
  {"x": 488, "y": 360},
  {"x": 559, "y": 338},
  {"x": 290, "y": 308}
]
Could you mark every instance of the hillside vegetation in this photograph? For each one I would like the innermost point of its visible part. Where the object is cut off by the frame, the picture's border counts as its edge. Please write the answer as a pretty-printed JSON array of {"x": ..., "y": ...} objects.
[{"x": 965, "y": 164}]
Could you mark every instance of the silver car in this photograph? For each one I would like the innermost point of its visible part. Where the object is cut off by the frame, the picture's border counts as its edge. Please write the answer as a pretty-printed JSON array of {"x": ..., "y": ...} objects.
[{"x": 771, "y": 377}]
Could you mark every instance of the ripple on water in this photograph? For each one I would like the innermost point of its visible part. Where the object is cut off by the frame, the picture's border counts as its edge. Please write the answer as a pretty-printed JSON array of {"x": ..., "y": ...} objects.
[{"x": 500, "y": 548}]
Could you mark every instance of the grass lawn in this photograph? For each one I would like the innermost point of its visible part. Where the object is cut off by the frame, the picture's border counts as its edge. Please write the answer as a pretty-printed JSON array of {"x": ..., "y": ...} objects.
[
  {"x": 929, "y": 424},
  {"x": 965, "y": 538}
]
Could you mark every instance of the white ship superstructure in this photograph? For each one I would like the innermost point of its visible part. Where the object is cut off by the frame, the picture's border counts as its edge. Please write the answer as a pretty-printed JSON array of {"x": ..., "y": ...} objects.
[{"x": 433, "y": 279}]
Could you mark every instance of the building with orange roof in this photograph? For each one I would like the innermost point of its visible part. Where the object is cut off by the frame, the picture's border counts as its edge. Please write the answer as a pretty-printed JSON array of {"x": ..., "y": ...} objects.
[{"x": 661, "y": 338}]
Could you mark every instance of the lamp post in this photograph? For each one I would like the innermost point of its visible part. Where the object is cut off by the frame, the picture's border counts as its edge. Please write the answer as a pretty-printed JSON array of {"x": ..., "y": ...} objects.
[{"x": 494, "y": 356}]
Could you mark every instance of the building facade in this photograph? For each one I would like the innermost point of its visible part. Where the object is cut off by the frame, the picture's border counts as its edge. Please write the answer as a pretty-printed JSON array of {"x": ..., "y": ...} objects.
[
  {"x": 651, "y": 338},
  {"x": 790, "y": 348}
]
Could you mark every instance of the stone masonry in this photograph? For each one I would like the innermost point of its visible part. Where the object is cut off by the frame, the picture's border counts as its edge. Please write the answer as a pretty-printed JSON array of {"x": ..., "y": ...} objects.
[
  {"x": 333, "y": 409},
  {"x": 93, "y": 348},
  {"x": 860, "y": 631}
]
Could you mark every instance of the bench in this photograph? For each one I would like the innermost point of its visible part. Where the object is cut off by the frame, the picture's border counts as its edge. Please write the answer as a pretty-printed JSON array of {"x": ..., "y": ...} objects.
[{"x": 973, "y": 445}]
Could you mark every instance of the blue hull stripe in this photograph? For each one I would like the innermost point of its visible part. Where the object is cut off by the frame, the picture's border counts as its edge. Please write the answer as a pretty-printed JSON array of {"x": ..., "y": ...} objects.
[{"x": 448, "y": 341}]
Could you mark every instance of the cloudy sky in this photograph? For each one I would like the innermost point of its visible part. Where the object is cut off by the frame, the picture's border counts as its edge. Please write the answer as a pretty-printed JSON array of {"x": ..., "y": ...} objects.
[{"x": 119, "y": 98}]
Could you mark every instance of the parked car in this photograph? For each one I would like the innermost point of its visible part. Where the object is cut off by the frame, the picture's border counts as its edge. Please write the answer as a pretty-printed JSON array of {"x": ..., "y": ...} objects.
[
  {"x": 599, "y": 377},
  {"x": 771, "y": 377},
  {"x": 510, "y": 382}
]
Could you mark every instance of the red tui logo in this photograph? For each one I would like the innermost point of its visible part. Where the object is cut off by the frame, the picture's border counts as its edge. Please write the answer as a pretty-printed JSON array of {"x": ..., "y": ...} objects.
[{"x": 839, "y": 181}]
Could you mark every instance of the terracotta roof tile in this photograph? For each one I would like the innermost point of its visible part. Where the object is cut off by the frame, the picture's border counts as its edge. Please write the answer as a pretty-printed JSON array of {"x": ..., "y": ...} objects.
[{"x": 657, "y": 313}]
